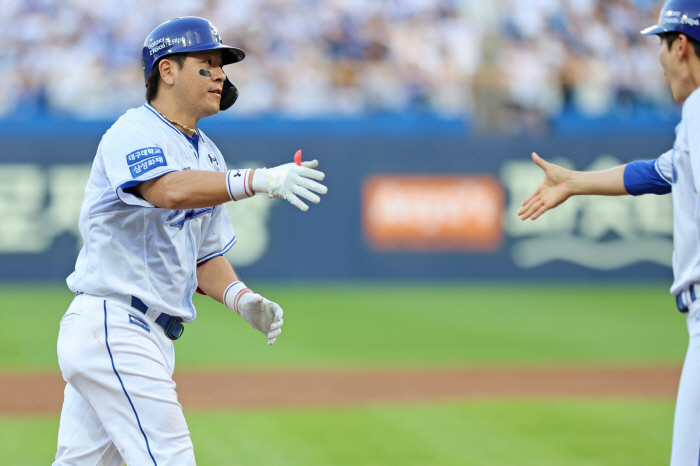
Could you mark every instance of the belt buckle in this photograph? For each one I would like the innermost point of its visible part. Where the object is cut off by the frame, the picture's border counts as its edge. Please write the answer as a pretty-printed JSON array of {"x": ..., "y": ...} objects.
[
  {"x": 679, "y": 304},
  {"x": 691, "y": 294},
  {"x": 174, "y": 329}
]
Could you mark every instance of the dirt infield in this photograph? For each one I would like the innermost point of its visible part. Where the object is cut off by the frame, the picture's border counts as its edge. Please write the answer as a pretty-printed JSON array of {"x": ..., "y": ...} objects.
[{"x": 43, "y": 394}]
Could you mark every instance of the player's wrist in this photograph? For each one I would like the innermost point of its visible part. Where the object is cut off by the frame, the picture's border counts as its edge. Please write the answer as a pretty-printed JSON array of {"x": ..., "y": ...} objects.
[
  {"x": 233, "y": 293},
  {"x": 575, "y": 183},
  {"x": 250, "y": 182},
  {"x": 238, "y": 184},
  {"x": 259, "y": 181}
]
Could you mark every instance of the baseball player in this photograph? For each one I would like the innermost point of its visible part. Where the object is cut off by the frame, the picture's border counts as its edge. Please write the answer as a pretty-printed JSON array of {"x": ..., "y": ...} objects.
[
  {"x": 154, "y": 231},
  {"x": 676, "y": 171}
]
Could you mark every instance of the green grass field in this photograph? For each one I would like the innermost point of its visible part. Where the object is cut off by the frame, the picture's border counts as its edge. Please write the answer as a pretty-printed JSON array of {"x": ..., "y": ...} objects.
[
  {"x": 487, "y": 433},
  {"x": 400, "y": 324}
]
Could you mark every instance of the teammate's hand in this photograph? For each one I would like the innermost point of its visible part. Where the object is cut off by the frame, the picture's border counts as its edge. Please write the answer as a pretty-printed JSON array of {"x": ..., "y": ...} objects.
[
  {"x": 289, "y": 181},
  {"x": 262, "y": 314},
  {"x": 553, "y": 190}
]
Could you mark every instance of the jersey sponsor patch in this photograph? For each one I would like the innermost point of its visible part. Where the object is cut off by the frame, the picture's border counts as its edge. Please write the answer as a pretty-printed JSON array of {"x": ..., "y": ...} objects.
[
  {"x": 139, "y": 323},
  {"x": 142, "y": 154},
  {"x": 144, "y": 160}
]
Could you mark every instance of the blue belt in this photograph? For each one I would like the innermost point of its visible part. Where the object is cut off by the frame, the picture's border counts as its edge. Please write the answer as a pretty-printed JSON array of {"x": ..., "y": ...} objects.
[
  {"x": 680, "y": 304},
  {"x": 172, "y": 325}
]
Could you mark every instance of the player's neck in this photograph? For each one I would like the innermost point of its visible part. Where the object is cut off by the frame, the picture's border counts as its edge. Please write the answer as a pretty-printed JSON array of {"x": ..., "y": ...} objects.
[
  {"x": 178, "y": 117},
  {"x": 694, "y": 71}
]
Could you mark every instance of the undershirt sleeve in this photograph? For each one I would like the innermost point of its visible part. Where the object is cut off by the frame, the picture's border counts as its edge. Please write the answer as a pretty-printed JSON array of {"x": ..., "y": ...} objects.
[{"x": 646, "y": 177}]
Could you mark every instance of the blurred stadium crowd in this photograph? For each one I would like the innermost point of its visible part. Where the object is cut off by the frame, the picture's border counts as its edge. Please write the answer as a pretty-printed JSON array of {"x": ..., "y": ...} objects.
[{"x": 498, "y": 62}]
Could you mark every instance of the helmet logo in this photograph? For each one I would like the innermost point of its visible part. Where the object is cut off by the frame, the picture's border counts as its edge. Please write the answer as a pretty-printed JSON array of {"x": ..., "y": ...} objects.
[
  {"x": 214, "y": 31},
  {"x": 676, "y": 17},
  {"x": 155, "y": 46},
  {"x": 164, "y": 42}
]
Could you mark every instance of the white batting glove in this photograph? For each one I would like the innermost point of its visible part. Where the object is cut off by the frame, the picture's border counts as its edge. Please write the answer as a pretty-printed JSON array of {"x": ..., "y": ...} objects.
[
  {"x": 289, "y": 181},
  {"x": 261, "y": 313}
]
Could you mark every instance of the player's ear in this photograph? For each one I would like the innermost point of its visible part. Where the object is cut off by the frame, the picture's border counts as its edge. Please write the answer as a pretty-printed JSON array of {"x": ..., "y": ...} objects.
[
  {"x": 682, "y": 43},
  {"x": 166, "y": 71}
]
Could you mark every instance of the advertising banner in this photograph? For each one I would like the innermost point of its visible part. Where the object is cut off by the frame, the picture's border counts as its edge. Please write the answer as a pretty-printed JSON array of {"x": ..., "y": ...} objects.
[
  {"x": 436, "y": 204},
  {"x": 433, "y": 213}
]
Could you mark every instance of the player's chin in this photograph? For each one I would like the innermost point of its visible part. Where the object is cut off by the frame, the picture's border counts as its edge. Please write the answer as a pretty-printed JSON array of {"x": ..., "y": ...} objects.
[
  {"x": 214, "y": 101},
  {"x": 213, "y": 104}
]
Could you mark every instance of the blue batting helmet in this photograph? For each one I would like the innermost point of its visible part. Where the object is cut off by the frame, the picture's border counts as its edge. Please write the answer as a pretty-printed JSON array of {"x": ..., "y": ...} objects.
[
  {"x": 190, "y": 34},
  {"x": 681, "y": 16}
]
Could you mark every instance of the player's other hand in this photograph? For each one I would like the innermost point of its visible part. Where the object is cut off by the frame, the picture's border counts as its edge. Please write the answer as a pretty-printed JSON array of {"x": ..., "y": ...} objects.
[
  {"x": 262, "y": 314},
  {"x": 291, "y": 181},
  {"x": 553, "y": 190}
]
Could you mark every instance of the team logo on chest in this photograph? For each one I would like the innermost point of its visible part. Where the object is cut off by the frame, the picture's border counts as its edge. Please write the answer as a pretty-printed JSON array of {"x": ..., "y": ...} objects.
[
  {"x": 187, "y": 215},
  {"x": 213, "y": 160}
]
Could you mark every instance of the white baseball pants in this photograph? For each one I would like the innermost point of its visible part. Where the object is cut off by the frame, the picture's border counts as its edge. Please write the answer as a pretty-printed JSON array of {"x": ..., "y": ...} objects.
[
  {"x": 686, "y": 424},
  {"x": 120, "y": 402}
]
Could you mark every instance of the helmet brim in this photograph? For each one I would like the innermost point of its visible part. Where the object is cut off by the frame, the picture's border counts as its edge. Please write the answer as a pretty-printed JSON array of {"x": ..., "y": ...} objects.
[
  {"x": 228, "y": 54},
  {"x": 653, "y": 30}
]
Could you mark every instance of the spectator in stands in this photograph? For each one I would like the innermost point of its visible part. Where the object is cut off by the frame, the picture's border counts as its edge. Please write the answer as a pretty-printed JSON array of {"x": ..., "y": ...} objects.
[{"x": 346, "y": 57}]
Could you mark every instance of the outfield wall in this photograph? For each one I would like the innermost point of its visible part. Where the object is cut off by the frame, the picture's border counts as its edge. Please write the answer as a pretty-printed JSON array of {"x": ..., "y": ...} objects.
[{"x": 408, "y": 199}]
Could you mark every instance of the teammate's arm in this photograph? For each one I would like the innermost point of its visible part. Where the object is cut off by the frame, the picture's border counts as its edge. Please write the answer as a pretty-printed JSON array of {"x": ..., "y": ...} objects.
[
  {"x": 559, "y": 184},
  {"x": 635, "y": 178},
  {"x": 192, "y": 189},
  {"x": 217, "y": 278}
]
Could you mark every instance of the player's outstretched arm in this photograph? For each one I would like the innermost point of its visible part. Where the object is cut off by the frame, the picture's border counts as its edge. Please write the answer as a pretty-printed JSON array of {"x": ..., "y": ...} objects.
[
  {"x": 559, "y": 184},
  {"x": 217, "y": 279},
  {"x": 192, "y": 189},
  {"x": 186, "y": 189}
]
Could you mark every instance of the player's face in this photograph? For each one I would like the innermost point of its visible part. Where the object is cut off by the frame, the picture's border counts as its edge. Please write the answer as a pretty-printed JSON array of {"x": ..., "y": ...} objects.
[
  {"x": 202, "y": 93},
  {"x": 676, "y": 71}
]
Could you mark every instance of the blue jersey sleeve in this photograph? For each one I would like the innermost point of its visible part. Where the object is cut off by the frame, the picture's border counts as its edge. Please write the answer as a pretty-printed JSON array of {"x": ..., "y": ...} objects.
[{"x": 642, "y": 177}]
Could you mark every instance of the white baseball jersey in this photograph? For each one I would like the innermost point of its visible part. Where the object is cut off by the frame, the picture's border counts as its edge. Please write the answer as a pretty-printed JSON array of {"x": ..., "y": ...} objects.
[
  {"x": 684, "y": 173},
  {"x": 678, "y": 171},
  {"x": 679, "y": 168},
  {"x": 132, "y": 247}
]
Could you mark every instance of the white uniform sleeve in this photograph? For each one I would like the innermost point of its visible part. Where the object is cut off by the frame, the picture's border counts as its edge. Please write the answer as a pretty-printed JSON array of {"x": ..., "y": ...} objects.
[
  {"x": 131, "y": 155},
  {"x": 664, "y": 167},
  {"x": 219, "y": 236},
  {"x": 690, "y": 122}
]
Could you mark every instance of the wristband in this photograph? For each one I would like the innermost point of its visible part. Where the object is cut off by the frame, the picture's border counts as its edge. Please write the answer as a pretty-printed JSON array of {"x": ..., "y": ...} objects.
[
  {"x": 260, "y": 181},
  {"x": 237, "y": 184},
  {"x": 233, "y": 293}
]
